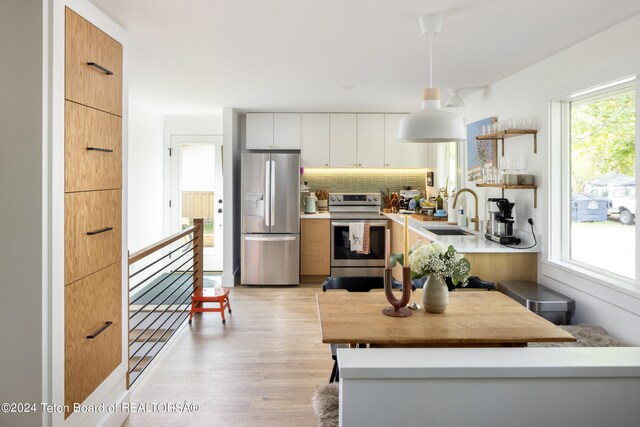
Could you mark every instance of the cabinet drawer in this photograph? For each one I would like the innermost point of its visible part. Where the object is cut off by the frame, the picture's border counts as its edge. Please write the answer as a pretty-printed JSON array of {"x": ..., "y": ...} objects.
[
  {"x": 98, "y": 85},
  {"x": 314, "y": 228},
  {"x": 88, "y": 305},
  {"x": 316, "y": 246},
  {"x": 92, "y": 150},
  {"x": 315, "y": 265},
  {"x": 92, "y": 234}
]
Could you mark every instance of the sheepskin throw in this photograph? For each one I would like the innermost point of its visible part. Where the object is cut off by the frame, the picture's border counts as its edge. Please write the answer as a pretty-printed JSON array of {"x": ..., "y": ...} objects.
[
  {"x": 586, "y": 336},
  {"x": 325, "y": 405}
]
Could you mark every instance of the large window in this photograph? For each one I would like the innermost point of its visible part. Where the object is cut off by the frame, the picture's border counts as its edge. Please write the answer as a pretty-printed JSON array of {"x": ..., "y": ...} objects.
[{"x": 602, "y": 200}]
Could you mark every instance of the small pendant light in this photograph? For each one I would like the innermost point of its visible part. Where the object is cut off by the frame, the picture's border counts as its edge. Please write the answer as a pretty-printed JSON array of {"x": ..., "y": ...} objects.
[{"x": 431, "y": 124}]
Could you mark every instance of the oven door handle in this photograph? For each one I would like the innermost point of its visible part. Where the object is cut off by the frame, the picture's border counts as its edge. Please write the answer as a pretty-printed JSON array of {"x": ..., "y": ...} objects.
[{"x": 381, "y": 223}]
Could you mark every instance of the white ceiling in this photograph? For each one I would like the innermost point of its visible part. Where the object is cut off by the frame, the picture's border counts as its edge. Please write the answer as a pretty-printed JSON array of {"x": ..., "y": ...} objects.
[{"x": 198, "y": 56}]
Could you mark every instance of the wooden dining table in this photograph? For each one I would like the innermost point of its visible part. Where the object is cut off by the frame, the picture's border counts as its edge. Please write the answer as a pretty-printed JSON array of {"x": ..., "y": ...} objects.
[{"x": 472, "y": 319}]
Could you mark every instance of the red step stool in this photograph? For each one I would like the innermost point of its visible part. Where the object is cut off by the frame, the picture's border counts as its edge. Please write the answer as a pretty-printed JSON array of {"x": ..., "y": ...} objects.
[{"x": 209, "y": 295}]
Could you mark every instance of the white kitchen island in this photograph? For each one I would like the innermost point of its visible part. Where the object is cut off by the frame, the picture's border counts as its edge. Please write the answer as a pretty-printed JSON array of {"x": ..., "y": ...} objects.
[{"x": 498, "y": 387}]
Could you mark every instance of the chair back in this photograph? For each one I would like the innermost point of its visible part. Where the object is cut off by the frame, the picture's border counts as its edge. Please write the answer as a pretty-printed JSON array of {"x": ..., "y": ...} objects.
[
  {"x": 353, "y": 283},
  {"x": 474, "y": 283}
]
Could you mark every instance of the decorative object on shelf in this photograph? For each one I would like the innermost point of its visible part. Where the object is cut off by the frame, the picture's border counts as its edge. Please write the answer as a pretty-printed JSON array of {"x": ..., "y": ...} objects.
[
  {"x": 430, "y": 179},
  {"x": 439, "y": 263},
  {"x": 431, "y": 124},
  {"x": 322, "y": 196},
  {"x": 480, "y": 153}
]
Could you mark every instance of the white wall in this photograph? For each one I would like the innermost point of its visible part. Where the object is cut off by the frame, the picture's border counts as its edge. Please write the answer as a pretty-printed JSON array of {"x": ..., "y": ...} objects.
[
  {"x": 23, "y": 296},
  {"x": 605, "y": 57},
  {"x": 231, "y": 161},
  {"x": 145, "y": 177}
]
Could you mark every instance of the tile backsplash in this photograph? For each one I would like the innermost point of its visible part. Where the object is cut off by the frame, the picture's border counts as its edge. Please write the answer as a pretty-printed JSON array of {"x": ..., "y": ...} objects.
[{"x": 338, "y": 180}]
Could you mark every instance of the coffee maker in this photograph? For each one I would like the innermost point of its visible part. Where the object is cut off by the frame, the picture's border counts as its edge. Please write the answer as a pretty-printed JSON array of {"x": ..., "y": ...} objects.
[{"x": 500, "y": 222}]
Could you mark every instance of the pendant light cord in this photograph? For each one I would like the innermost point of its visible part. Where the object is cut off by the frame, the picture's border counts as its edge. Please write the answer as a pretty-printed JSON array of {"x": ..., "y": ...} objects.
[{"x": 430, "y": 60}]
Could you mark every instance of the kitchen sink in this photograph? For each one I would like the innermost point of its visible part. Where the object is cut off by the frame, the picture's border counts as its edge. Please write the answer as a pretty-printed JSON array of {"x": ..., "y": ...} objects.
[{"x": 449, "y": 232}]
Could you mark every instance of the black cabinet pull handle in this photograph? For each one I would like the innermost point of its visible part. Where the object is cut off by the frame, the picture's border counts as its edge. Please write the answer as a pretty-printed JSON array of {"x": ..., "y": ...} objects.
[
  {"x": 100, "y": 67},
  {"x": 104, "y": 150},
  {"x": 100, "y": 330},
  {"x": 102, "y": 230}
]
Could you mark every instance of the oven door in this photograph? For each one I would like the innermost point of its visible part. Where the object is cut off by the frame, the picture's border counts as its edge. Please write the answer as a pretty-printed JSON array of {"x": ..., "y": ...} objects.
[{"x": 343, "y": 256}]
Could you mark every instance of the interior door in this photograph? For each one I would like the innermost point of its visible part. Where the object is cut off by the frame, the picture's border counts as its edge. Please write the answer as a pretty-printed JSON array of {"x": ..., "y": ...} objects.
[{"x": 196, "y": 190}]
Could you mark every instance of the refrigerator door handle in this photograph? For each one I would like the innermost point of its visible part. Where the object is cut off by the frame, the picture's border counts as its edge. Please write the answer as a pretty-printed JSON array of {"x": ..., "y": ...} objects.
[
  {"x": 267, "y": 186},
  {"x": 272, "y": 194},
  {"x": 270, "y": 239}
]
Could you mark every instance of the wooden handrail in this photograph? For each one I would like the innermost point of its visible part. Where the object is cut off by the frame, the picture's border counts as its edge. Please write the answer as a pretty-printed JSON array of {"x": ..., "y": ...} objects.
[{"x": 137, "y": 256}]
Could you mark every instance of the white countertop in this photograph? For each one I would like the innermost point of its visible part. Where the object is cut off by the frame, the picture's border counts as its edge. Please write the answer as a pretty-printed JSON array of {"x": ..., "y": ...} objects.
[
  {"x": 323, "y": 215},
  {"x": 475, "y": 243}
]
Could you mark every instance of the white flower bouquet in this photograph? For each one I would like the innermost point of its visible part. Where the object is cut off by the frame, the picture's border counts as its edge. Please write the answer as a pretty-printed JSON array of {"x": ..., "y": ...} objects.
[{"x": 433, "y": 258}]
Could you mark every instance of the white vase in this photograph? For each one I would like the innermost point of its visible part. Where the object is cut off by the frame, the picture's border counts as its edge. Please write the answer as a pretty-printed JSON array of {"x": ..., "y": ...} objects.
[{"x": 435, "y": 294}]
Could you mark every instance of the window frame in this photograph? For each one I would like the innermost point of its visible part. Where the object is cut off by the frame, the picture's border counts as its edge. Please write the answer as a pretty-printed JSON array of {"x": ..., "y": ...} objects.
[{"x": 560, "y": 171}]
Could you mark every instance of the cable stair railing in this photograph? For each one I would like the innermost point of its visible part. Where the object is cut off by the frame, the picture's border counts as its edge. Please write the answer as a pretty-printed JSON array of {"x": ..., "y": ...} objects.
[{"x": 162, "y": 279}]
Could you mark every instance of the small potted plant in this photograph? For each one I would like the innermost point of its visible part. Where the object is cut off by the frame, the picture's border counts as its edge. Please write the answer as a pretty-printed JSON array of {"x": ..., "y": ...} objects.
[{"x": 438, "y": 263}]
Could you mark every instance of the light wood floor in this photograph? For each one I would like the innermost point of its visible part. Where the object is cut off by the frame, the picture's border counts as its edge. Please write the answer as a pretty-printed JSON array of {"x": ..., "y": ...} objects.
[{"x": 259, "y": 370}]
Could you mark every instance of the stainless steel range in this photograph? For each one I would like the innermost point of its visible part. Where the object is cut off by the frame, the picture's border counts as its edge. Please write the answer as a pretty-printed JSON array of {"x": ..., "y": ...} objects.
[{"x": 347, "y": 209}]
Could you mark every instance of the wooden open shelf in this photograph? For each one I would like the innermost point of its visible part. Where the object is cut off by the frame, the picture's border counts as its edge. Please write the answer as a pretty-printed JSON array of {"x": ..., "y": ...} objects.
[
  {"x": 516, "y": 187},
  {"x": 510, "y": 133}
]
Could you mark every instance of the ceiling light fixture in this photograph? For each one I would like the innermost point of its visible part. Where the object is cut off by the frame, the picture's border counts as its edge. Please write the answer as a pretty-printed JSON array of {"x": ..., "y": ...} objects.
[
  {"x": 431, "y": 124},
  {"x": 455, "y": 100}
]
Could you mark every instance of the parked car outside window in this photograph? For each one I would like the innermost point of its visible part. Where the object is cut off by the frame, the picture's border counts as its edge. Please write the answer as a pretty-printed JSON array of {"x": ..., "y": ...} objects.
[{"x": 620, "y": 190}]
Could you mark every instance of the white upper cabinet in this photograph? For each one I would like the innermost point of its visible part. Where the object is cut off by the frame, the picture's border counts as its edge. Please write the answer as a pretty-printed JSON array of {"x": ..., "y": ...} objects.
[
  {"x": 343, "y": 141},
  {"x": 287, "y": 132},
  {"x": 259, "y": 131},
  {"x": 273, "y": 131},
  {"x": 402, "y": 154},
  {"x": 370, "y": 140},
  {"x": 315, "y": 140}
]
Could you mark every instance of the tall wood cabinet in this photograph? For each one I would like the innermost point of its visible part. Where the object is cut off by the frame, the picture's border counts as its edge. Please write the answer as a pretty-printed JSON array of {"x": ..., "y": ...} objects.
[
  {"x": 315, "y": 247},
  {"x": 93, "y": 207}
]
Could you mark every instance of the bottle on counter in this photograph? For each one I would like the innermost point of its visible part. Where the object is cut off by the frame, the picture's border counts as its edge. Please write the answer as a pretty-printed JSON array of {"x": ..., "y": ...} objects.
[
  {"x": 452, "y": 213},
  {"x": 463, "y": 221},
  {"x": 440, "y": 201}
]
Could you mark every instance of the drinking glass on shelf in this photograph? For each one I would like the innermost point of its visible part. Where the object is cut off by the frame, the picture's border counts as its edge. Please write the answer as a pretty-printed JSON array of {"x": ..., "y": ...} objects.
[
  {"x": 486, "y": 174},
  {"x": 504, "y": 166},
  {"x": 520, "y": 164}
]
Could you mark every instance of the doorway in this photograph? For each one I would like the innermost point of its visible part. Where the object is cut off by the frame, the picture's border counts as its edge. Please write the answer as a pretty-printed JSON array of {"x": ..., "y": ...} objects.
[{"x": 196, "y": 190}]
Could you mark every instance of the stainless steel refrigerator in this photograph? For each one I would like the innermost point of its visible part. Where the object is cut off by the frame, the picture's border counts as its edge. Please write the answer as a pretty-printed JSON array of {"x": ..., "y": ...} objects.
[{"x": 270, "y": 219}]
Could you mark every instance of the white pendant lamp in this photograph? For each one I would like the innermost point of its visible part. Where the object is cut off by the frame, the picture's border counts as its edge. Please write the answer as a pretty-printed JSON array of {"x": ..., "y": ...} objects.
[
  {"x": 455, "y": 100},
  {"x": 431, "y": 124}
]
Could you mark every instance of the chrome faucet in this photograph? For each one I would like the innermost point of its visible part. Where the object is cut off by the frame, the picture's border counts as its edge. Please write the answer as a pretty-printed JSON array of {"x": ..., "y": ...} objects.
[{"x": 475, "y": 196}]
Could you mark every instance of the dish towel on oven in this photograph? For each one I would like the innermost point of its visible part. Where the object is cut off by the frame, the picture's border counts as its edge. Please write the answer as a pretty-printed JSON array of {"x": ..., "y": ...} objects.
[
  {"x": 356, "y": 235},
  {"x": 366, "y": 239}
]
